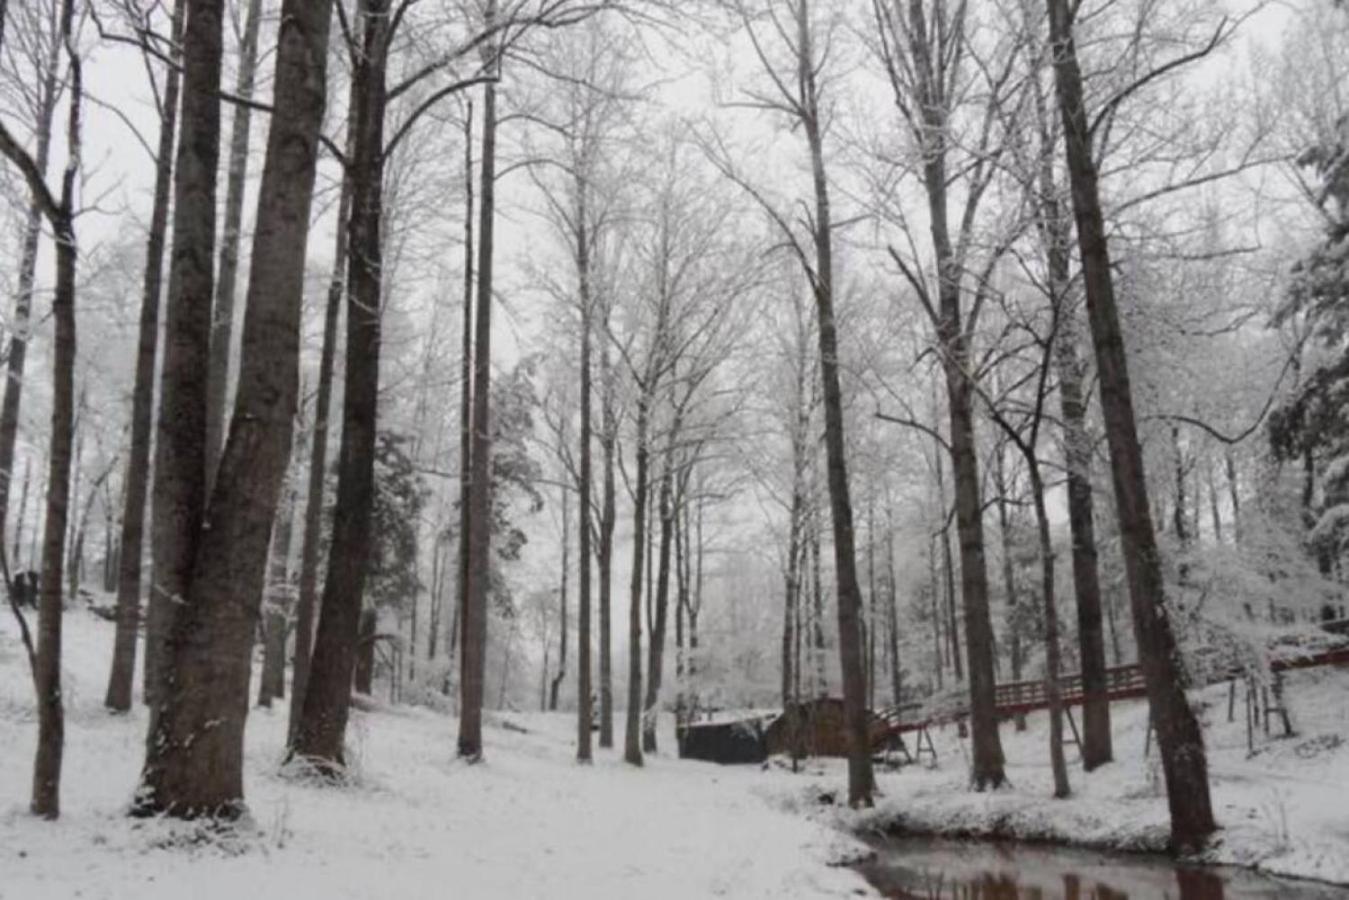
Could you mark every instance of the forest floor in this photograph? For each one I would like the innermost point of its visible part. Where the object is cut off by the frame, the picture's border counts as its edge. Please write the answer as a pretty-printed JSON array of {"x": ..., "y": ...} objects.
[
  {"x": 1283, "y": 810},
  {"x": 528, "y": 822}
]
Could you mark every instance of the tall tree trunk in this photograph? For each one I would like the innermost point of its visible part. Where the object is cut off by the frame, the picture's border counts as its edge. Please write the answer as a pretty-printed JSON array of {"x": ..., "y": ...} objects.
[
  {"x": 562, "y": 599},
  {"x": 194, "y": 762},
  {"x": 608, "y": 519},
  {"x": 791, "y": 591},
  {"x": 46, "y": 800},
  {"x": 465, "y": 401},
  {"x": 952, "y": 624},
  {"x": 632, "y": 747},
  {"x": 1184, "y": 762},
  {"x": 586, "y": 520},
  {"x": 860, "y": 782},
  {"x": 896, "y": 672},
  {"x": 656, "y": 647},
  {"x": 118, "y": 697},
  {"x": 987, "y": 745},
  {"x": 480, "y": 456},
  {"x": 1056, "y": 233},
  {"x": 179, "y": 494},
  {"x": 1008, "y": 577},
  {"x": 222, "y": 327},
  {"x": 1052, "y": 662},
  {"x": 320, "y": 735},
  {"x": 23, "y": 304},
  {"x": 318, "y": 467}
]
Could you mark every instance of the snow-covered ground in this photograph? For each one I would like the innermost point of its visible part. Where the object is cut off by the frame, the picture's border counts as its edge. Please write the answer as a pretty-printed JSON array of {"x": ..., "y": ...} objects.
[
  {"x": 1283, "y": 810},
  {"x": 531, "y": 823},
  {"x": 527, "y": 823}
]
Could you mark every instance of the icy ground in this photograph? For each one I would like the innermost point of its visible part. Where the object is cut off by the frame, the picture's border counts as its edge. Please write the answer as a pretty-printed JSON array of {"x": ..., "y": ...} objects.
[{"x": 527, "y": 823}]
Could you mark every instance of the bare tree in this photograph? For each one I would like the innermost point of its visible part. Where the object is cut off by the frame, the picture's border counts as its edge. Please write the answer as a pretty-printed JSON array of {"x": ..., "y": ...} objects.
[
  {"x": 1179, "y": 738},
  {"x": 927, "y": 55},
  {"x": 131, "y": 552},
  {"x": 178, "y": 499},
  {"x": 194, "y": 758},
  {"x": 222, "y": 324},
  {"x": 797, "y": 97},
  {"x": 44, "y": 47},
  {"x": 59, "y": 210}
]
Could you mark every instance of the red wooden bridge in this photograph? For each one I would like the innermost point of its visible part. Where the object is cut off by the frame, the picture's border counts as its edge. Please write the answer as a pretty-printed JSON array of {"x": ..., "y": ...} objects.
[{"x": 1021, "y": 697}]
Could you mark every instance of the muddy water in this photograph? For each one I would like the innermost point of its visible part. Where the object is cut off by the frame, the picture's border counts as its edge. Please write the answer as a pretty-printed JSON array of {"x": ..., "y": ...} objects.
[{"x": 939, "y": 869}]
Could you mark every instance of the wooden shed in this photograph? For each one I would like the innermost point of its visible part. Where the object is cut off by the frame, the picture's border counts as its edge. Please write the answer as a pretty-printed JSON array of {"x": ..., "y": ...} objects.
[{"x": 811, "y": 728}]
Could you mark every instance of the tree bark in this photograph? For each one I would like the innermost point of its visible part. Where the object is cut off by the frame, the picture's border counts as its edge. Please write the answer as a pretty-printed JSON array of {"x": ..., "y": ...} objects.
[
  {"x": 656, "y": 646},
  {"x": 222, "y": 326},
  {"x": 179, "y": 495},
  {"x": 465, "y": 401},
  {"x": 118, "y": 698},
  {"x": 632, "y": 747},
  {"x": 480, "y": 485},
  {"x": 584, "y": 689},
  {"x": 318, "y": 468},
  {"x": 194, "y": 761},
  {"x": 608, "y": 519},
  {"x": 46, "y": 800},
  {"x": 860, "y": 782},
  {"x": 320, "y": 735},
  {"x": 562, "y": 600},
  {"x": 1184, "y": 762}
]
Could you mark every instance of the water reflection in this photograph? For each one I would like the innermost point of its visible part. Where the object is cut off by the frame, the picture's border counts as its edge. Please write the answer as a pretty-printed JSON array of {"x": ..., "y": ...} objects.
[{"x": 932, "y": 869}]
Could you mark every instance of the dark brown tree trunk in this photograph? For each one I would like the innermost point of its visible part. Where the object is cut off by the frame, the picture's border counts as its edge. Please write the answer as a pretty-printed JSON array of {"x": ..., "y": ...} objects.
[
  {"x": 952, "y": 623},
  {"x": 632, "y": 747},
  {"x": 222, "y": 327},
  {"x": 562, "y": 600},
  {"x": 656, "y": 647},
  {"x": 465, "y": 401},
  {"x": 60, "y": 214},
  {"x": 1056, "y": 232},
  {"x": 46, "y": 800},
  {"x": 179, "y": 493},
  {"x": 896, "y": 671},
  {"x": 1008, "y": 577},
  {"x": 194, "y": 761},
  {"x": 987, "y": 745},
  {"x": 1097, "y": 745},
  {"x": 586, "y": 519},
  {"x": 480, "y": 456},
  {"x": 1052, "y": 662},
  {"x": 320, "y": 735},
  {"x": 860, "y": 782},
  {"x": 791, "y": 591},
  {"x": 318, "y": 468},
  {"x": 608, "y": 519},
  {"x": 118, "y": 698},
  {"x": 1184, "y": 762}
]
